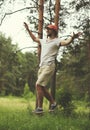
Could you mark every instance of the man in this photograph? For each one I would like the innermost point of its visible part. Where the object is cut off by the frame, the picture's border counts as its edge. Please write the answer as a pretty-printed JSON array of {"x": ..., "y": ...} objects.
[{"x": 49, "y": 50}]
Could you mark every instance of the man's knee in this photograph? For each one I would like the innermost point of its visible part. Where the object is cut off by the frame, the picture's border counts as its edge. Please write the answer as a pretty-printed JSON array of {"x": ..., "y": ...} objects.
[{"x": 38, "y": 87}]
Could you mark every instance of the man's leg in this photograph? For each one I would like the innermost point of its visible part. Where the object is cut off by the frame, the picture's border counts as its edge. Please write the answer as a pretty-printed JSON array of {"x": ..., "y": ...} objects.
[
  {"x": 48, "y": 95},
  {"x": 41, "y": 92},
  {"x": 50, "y": 98},
  {"x": 40, "y": 96}
]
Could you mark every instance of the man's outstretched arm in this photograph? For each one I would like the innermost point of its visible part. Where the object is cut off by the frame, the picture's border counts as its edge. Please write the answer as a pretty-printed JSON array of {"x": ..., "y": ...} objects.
[
  {"x": 35, "y": 39},
  {"x": 68, "y": 41}
]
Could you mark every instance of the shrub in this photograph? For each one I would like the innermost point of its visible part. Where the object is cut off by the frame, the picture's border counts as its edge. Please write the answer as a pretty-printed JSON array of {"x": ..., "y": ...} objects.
[
  {"x": 87, "y": 97},
  {"x": 27, "y": 93},
  {"x": 64, "y": 98}
]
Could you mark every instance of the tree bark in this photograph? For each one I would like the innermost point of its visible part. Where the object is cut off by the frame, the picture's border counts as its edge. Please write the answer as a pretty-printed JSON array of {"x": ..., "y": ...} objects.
[
  {"x": 40, "y": 29},
  {"x": 56, "y": 19},
  {"x": 40, "y": 23}
]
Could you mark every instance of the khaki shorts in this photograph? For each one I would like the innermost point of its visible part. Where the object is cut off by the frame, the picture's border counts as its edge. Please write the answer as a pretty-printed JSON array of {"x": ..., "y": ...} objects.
[{"x": 45, "y": 73}]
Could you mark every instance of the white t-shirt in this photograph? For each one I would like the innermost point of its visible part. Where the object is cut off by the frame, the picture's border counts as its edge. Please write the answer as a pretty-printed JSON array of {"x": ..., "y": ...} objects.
[{"x": 49, "y": 50}]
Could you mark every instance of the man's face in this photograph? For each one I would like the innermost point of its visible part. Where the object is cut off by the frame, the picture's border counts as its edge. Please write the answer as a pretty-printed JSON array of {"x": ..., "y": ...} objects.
[{"x": 49, "y": 32}]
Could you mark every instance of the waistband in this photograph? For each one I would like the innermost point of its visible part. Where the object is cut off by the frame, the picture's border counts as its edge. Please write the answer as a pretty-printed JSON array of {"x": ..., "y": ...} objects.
[{"x": 47, "y": 64}]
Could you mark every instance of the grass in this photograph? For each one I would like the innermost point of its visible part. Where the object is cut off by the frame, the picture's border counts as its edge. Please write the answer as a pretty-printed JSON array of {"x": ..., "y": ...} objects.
[{"x": 16, "y": 114}]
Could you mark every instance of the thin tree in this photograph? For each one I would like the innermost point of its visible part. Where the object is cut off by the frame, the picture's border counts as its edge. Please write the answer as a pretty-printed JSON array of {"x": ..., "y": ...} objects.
[
  {"x": 56, "y": 19},
  {"x": 40, "y": 23},
  {"x": 40, "y": 27}
]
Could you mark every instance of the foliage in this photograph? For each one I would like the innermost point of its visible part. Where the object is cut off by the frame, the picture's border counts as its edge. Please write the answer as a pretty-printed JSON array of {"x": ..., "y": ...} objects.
[
  {"x": 16, "y": 68},
  {"x": 64, "y": 99},
  {"x": 73, "y": 70},
  {"x": 31, "y": 66},
  {"x": 27, "y": 94}
]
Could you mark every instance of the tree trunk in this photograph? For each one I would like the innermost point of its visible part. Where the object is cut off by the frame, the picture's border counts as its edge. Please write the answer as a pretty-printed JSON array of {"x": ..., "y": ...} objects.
[
  {"x": 40, "y": 23},
  {"x": 57, "y": 9},
  {"x": 40, "y": 29},
  {"x": 56, "y": 19}
]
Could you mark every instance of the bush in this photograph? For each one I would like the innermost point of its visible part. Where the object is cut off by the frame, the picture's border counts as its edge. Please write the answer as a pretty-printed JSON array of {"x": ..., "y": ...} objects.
[
  {"x": 27, "y": 93},
  {"x": 2, "y": 93},
  {"x": 87, "y": 97},
  {"x": 64, "y": 98}
]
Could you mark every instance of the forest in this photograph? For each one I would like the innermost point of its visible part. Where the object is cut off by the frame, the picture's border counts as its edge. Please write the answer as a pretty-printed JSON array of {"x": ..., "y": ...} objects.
[
  {"x": 73, "y": 65},
  {"x": 18, "y": 69}
]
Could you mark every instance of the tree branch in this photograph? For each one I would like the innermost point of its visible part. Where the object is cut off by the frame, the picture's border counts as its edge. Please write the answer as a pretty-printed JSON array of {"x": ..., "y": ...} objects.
[
  {"x": 14, "y": 13},
  {"x": 50, "y": 4},
  {"x": 1, "y": 3},
  {"x": 35, "y": 2},
  {"x": 26, "y": 48}
]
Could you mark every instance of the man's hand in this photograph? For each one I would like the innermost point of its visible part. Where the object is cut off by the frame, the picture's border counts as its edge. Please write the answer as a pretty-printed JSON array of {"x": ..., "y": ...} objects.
[
  {"x": 76, "y": 35},
  {"x": 26, "y": 26},
  {"x": 34, "y": 38}
]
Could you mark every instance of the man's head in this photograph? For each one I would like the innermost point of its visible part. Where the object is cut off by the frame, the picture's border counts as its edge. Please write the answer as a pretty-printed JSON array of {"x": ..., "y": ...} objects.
[{"x": 53, "y": 28}]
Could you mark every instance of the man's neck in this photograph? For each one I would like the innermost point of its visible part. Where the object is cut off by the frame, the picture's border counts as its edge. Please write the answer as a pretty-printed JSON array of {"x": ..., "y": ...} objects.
[{"x": 51, "y": 37}]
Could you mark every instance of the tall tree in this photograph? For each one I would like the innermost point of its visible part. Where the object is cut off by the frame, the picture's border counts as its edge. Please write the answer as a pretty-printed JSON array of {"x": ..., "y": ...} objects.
[
  {"x": 75, "y": 62},
  {"x": 6, "y": 62},
  {"x": 56, "y": 21},
  {"x": 40, "y": 24}
]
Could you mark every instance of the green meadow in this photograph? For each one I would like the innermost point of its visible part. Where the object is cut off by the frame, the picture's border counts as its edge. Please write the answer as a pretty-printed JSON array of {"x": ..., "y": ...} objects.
[{"x": 16, "y": 114}]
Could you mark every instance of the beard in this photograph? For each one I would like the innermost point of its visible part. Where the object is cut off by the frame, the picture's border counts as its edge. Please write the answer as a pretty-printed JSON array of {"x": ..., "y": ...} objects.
[{"x": 49, "y": 35}]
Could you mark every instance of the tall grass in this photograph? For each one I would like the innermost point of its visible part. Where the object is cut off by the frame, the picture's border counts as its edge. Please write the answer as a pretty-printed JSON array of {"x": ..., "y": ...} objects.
[{"x": 16, "y": 114}]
